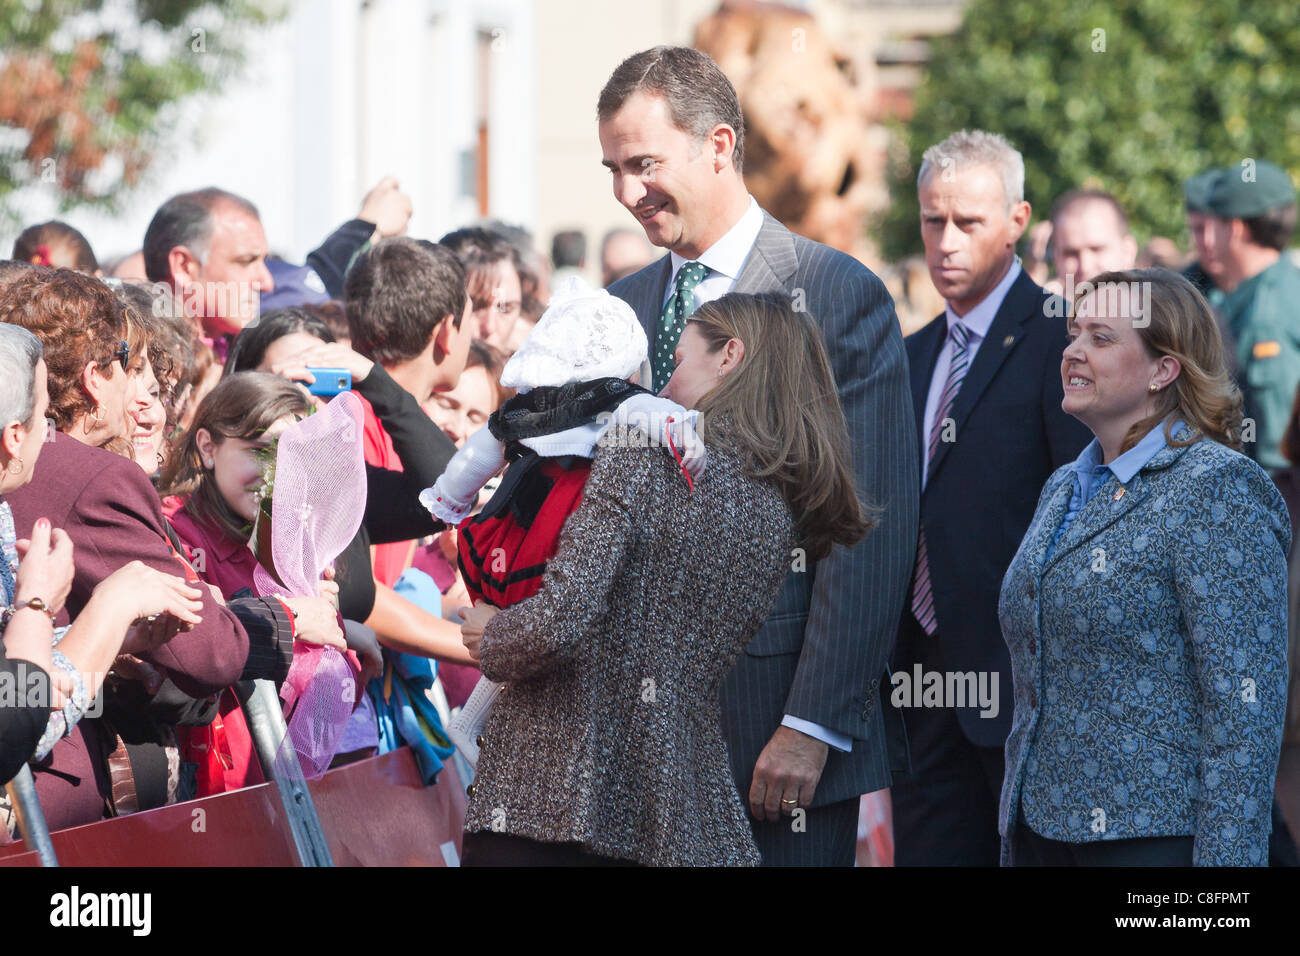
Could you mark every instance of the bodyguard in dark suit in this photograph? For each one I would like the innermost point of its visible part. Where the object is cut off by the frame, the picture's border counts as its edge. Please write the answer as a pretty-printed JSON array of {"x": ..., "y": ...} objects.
[
  {"x": 802, "y": 708},
  {"x": 986, "y": 390}
]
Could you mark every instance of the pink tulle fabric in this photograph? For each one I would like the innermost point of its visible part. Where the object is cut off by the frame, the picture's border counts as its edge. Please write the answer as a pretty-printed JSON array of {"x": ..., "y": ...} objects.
[{"x": 317, "y": 505}]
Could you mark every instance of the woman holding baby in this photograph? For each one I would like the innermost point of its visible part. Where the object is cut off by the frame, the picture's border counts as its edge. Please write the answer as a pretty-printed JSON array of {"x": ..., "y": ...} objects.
[{"x": 605, "y": 745}]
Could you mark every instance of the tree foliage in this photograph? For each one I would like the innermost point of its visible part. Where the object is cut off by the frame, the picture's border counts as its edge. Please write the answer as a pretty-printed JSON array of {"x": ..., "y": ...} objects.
[
  {"x": 89, "y": 88},
  {"x": 1131, "y": 96}
]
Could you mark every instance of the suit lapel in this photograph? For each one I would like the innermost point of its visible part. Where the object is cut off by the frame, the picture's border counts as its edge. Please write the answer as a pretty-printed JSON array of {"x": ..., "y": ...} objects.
[
  {"x": 1039, "y": 537},
  {"x": 929, "y": 342},
  {"x": 1104, "y": 508},
  {"x": 1019, "y": 306},
  {"x": 649, "y": 297},
  {"x": 771, "y": 262}
]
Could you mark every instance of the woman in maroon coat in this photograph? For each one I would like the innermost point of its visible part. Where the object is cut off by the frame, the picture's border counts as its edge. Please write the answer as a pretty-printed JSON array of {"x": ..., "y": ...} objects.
[{"x": 113, "y": 515}]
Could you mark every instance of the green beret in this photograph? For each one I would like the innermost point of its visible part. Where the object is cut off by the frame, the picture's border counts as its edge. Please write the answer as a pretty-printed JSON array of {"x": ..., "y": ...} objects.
[
  {"x": 1197, "y": 190},
  {"x": 1247, "y": 191}
]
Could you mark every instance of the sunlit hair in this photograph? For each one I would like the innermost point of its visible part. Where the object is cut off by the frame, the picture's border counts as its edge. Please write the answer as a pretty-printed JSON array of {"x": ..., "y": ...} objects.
[
  {"x": 244, "y": 405},
  {"x": 1177, "y": 321},
  {"x": 79, "y": 321},
  {"x": 785, "y": 414},
  {"x": 965, "y": 149}
]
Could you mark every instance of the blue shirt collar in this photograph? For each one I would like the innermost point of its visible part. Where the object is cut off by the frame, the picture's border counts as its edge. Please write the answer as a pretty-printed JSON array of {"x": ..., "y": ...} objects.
[{"x": 1088, "y": 465}]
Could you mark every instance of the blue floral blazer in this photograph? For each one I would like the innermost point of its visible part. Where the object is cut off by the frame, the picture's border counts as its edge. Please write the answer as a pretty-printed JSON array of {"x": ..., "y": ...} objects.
[{"x": 1148, "y": 657}]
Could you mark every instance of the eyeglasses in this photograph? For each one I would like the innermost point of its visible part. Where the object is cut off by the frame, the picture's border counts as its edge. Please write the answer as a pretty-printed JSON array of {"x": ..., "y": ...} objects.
[{"x": 123, "y": 355}]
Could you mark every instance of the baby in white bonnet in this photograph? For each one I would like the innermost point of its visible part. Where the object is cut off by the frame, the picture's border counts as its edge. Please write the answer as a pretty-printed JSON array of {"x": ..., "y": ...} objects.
[
  {"x": 571, "y": 374},
  {"x": 584, "y": 335}
]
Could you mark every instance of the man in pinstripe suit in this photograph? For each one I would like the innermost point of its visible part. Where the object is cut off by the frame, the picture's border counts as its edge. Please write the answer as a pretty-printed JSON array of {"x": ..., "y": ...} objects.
[{"x": 802, "y": 707}]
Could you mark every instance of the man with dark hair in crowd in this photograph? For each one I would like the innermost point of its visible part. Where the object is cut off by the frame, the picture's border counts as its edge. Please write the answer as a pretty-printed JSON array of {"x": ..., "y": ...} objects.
[
  {"x": 407, "y": 309},
  {"x": 568, "y": 254},
  {"x": 1205, "y": 270},
  {"x": 492, "y": 279},
  {"x": 209, "y": 248},
  {"x": 1090, "y": 235},
  {"x": 801, "y": 709},
  {"x": 623, "y": 252},
  {"x": 1254, "y": 207}
]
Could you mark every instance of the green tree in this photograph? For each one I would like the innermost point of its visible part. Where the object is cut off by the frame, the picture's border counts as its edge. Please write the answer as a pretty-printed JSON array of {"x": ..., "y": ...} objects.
[
  {"x": 89, "y": 90},
  {"x": 1131, "y": 96}
]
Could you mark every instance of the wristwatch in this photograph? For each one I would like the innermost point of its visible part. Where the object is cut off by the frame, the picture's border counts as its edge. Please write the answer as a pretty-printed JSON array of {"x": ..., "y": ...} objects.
[{"x": 36, "y": 604}]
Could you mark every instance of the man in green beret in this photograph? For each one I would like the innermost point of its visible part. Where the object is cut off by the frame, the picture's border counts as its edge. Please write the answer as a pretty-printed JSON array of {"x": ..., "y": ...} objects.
[
  {"x": 1254, "y": 208},
  {"x": 1200, "y": 226}
]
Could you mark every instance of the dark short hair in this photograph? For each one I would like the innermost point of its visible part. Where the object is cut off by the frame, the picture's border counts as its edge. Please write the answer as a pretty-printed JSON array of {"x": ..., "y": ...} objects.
[
  {"x": 1077, "y": 196},
  {"x": 569, "y": 249},
  {"x": 333, "y": 315},
  {"x": 478, "y": 250},
  {"x": 185, "y": 220},
  {"x": 55, "y": 233},
  {"x": 397, "y": 293},
  {"x": 250, "y": 345},
  {"x": 698, "y": 93},
  {"x": 1274, "y": 228},
  {"x": 529, "y": 263}
]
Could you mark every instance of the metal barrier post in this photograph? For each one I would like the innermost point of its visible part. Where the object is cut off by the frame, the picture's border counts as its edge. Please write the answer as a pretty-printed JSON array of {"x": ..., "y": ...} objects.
[
  {"x": 31, "y": 820},
  {"x": 280, "y": 765}
]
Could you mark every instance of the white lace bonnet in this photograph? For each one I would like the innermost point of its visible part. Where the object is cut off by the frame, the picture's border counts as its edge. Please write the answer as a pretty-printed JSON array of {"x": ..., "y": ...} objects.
[{"x": 584, "y": 334}]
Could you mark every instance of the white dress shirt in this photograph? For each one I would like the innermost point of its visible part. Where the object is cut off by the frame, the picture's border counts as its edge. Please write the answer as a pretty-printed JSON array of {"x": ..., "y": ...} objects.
[
  {"x": 977, "y": 322},
  {"x": 725, "y": 258}
]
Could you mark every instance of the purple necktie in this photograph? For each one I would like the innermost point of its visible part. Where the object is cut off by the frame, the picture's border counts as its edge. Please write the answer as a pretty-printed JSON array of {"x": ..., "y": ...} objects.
[{"x": 922, "y": 590}]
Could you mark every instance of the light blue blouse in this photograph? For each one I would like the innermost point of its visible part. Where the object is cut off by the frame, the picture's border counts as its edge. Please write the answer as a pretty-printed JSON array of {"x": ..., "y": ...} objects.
[{"x": 1090, "y": 473}]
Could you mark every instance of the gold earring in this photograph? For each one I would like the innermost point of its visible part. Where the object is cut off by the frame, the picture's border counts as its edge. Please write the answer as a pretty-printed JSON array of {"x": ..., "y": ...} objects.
[
  {"x": 1153, "y": 388},
  {"x": 15, "y": 460},
  {"x": 98, "y": 414}
]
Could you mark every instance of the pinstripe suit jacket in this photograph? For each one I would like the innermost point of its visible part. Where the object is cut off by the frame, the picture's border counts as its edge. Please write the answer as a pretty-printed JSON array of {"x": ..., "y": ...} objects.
[{"x": 823, "y": 652}]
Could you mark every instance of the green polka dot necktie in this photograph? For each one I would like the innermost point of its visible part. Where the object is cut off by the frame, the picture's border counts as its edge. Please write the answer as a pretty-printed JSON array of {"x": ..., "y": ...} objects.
[{"x": 673, "y": 321}]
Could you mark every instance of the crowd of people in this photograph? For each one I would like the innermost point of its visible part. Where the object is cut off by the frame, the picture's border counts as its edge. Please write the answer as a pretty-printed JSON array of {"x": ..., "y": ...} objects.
[{"x": 699, "y": 558}]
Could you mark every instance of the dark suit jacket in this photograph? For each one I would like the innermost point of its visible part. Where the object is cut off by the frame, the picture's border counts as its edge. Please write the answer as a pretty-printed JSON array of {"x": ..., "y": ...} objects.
[
  {"x": 1011, "y": 434},
  {"x": 822, "y": 653},
  {"x": 113, "y": 516}
]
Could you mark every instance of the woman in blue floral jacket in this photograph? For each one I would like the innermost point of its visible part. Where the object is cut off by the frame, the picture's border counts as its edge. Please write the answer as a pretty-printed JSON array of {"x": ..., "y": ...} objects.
[{"x": 1146, "y": 608}]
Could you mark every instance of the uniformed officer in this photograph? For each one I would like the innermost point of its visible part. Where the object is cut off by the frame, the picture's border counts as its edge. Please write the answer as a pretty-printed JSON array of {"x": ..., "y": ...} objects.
[
  {"x": 1254, "y": 210},
  {"x": 1200, "y": 226}
]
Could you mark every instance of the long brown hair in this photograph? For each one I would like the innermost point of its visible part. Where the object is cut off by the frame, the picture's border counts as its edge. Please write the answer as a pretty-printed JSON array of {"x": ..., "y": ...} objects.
[
  {"x": 1177, "y": 321},
  {"x": 242, "y": 406},
  {"x": 785, "y": 414}
]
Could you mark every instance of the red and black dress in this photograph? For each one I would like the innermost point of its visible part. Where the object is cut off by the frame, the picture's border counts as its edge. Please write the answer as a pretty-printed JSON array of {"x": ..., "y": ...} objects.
[{"x": 503, "y": 550}]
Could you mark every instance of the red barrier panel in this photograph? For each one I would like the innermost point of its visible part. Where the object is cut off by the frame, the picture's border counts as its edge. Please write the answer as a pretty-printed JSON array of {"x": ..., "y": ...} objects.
[{"x": 375, "y": 812}]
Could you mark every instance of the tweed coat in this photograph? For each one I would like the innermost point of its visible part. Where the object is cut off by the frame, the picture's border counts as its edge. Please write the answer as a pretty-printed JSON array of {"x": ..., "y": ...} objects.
[
  {"x": 608, "y": 732},
  {"x": 824, "y": 650},
  {"x": 1148, "y": 655}
]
